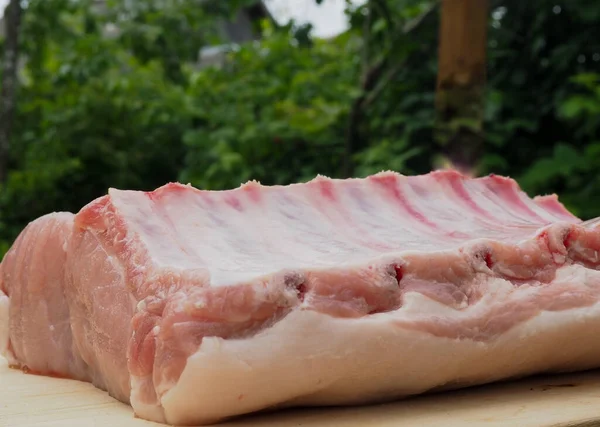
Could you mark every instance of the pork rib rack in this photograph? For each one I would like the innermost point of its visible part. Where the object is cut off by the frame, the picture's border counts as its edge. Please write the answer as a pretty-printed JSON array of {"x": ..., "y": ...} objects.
[{"x": 195, "y": 306}]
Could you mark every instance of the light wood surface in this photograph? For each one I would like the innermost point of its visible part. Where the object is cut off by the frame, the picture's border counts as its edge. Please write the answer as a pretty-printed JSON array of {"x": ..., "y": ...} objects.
[{"x": 562, "y": 400}]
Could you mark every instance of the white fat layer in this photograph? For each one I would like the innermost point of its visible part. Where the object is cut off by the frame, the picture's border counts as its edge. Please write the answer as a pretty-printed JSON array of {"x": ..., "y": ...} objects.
[
  {"x": 313, "y": 359},
  {"x": 144, "y": 410}
]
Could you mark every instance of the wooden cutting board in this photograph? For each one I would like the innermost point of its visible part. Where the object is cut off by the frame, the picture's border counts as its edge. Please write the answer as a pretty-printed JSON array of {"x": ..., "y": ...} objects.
[{"x": 562, "y": 400}]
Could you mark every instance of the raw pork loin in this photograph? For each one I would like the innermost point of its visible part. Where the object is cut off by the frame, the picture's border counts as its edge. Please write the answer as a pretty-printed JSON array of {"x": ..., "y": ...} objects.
[{"x": 194, "y": 306}]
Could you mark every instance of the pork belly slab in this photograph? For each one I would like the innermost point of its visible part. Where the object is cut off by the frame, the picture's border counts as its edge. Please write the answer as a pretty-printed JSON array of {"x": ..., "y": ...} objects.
[{"x": 195, "y": 306}]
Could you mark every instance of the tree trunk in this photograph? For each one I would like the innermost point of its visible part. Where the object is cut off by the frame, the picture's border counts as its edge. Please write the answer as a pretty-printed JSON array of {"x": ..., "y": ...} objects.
[
  {"x": 461, "y": 81},
  {"x": 12, "y": 22}
]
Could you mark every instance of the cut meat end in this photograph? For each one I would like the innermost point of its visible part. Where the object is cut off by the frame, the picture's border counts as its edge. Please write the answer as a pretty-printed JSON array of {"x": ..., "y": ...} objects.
[
  {"x": 195, "y": 306},
  {"x": 32, "y": 277},
  {"x": 101, "y": 305},
  {"x": 4, "y": 324}
]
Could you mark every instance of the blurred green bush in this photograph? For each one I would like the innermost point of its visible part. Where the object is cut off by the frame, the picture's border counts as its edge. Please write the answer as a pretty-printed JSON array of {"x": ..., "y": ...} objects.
[{"x": 132, "y": 111}]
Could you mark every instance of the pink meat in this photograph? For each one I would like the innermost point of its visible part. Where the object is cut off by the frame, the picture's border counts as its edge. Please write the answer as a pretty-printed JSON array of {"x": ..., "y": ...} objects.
[{"x": 194, "y": 306}]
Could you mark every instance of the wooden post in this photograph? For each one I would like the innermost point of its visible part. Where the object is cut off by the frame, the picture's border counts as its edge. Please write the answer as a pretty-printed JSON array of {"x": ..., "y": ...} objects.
[
  {"x": 461, "y": 81},
  {"x": 12, "y": 23}
]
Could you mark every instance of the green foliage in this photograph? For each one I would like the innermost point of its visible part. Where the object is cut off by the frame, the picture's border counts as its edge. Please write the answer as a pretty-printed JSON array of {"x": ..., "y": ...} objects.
[
  {"x": 272, "y": 112},
  {"x": 91, "y": 115},
  {"x": 168, "y": 31},
  {"x": 572, "y": 169},
  {"x": 131, "y": 109},
  {"x": 543, "y": 89}
]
